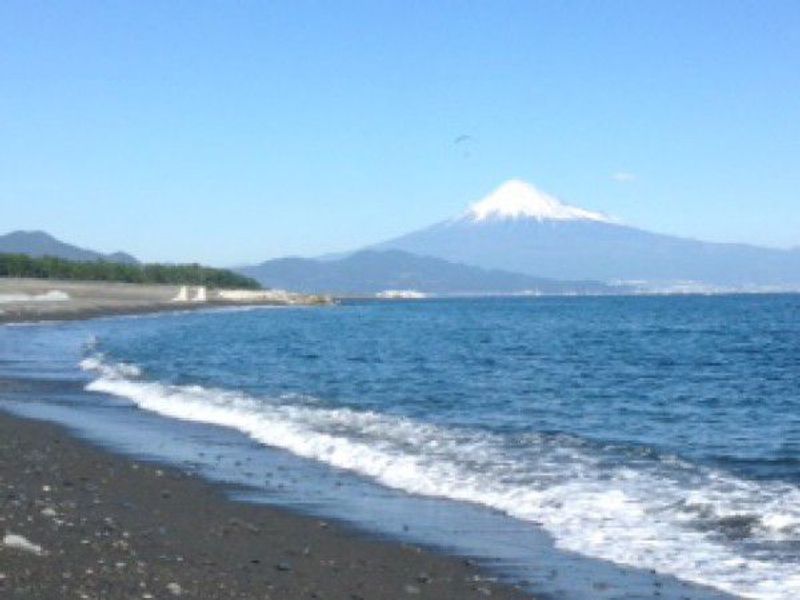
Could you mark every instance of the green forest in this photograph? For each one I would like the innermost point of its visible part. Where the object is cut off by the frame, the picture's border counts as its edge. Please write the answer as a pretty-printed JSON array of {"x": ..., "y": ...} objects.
[{"x": 48, "y": 267}]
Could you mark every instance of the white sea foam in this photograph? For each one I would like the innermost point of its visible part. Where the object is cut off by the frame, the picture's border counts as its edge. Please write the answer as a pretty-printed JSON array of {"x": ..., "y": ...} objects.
[
  {"x": 112, "y": 371},
  {"x": 666, "y": 515}
]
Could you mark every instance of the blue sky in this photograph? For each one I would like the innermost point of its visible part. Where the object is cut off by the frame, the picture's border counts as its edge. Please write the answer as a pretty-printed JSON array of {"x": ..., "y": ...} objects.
[{"x": 231, "y": 132}]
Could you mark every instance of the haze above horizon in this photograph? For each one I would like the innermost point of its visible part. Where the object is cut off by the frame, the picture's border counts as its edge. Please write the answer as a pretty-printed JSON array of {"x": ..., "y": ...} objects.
[{"x": 233, "y": 134}]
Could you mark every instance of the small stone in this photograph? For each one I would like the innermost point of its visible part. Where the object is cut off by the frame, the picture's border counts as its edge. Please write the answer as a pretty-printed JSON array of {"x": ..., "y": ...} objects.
[
  {"x": 174, "y": 588},
  {"x": 18, "y": 542},
  {"x": 424, "y": 578},
  {"x": 485, "y": 591},
  {"x": 411, "y": 589},
  {"x": 48, "y": 512},
  {"x": 283, "y": 566}
]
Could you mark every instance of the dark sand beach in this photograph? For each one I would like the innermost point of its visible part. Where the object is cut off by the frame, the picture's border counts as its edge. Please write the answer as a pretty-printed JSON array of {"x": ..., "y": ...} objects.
[{"x": 108, "y": 527}]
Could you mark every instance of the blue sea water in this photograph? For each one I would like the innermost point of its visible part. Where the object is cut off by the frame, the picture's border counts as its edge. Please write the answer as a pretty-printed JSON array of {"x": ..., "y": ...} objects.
[{"x": 650, "y": 433}]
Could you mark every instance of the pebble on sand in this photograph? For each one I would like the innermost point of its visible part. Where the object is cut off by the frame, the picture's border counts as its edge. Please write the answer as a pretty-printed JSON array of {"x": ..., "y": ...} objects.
[
  {"x": 174, "y": 588},
  {"x": 18, "y": 542}
]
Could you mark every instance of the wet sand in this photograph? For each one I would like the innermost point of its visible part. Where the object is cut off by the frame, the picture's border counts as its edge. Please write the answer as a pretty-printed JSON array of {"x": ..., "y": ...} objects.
[{"x": 102, "y": 526}]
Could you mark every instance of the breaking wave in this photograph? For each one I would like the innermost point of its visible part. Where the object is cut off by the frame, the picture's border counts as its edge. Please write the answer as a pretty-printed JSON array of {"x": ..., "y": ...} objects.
[{"x": 623, "y": 504}]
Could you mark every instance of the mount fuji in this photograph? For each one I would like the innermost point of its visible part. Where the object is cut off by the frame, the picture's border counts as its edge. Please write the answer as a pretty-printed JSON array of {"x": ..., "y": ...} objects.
[{"x": 521, "y": 229}]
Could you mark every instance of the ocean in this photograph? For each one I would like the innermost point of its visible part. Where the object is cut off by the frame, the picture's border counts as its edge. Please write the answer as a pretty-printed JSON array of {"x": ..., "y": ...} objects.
[{"x": 609, "y": 447}]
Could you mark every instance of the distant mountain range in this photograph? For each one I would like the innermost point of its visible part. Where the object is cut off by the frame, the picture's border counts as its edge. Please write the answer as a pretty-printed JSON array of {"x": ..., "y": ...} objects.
[
  {"x": 516, "y": 240},
  {"x": 39, "y": 243},
  {"x": 371, "y": 272},
  {"x": 520, "y": 229}
]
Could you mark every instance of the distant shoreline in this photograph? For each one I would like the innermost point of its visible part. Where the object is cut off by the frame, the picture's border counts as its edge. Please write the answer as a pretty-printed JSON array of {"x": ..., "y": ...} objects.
[{"x": 42, "y": 300}]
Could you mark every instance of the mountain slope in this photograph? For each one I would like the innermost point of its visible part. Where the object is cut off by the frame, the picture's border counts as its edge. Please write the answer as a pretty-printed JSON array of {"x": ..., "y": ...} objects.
[
  {"x": 518, "y": 228},
  {"x": 370, "y": 272},
  {"x": 39, "y": 243}
]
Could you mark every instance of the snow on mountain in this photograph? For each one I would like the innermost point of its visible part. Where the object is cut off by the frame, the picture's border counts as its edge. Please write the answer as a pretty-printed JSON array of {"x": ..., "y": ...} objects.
[
  {"x": 521, "y": 229},
  {"x": 517, "y": 199}
]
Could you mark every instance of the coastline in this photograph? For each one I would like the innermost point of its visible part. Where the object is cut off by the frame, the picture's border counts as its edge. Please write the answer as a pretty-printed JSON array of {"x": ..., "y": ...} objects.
[
  {"x": 41, "y": 300},
  {"x": 598, "y": 580},
  {"x": 114, "y": 527}
]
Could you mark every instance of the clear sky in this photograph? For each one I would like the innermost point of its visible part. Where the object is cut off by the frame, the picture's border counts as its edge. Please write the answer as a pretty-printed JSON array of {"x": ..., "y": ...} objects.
[{"x": 232, "y": 132}]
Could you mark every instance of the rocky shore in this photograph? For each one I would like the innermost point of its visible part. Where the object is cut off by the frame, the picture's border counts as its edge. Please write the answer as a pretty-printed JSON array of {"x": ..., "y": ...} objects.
[{"x": 79, "y": 522}]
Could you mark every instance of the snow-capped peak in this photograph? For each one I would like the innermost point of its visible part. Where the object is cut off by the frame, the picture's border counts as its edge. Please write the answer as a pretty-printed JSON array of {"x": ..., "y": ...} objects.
[{"x": 516, "y": 199}]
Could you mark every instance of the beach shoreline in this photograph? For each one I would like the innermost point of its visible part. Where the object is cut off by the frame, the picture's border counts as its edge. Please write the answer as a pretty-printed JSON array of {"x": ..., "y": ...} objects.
[
  {"x": 43, "y": 300},
  {"x": 95, "y": 524},
  {"x": 80, "y": 520},
  {"x": 129, "y": 467}
]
